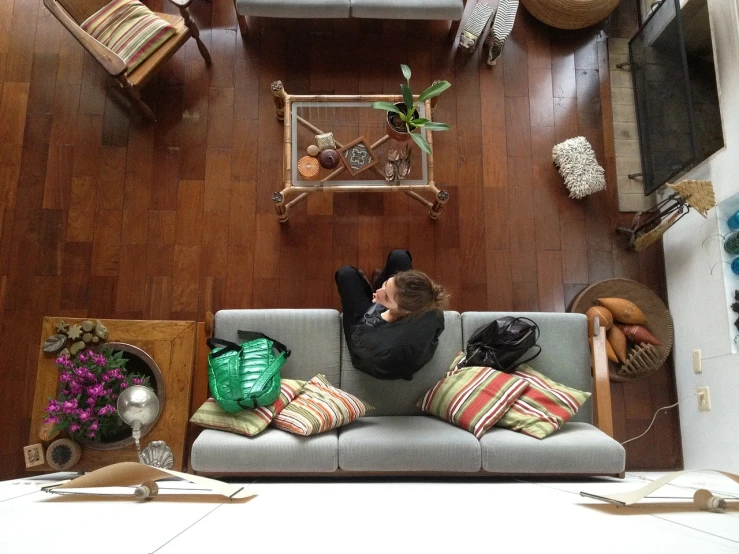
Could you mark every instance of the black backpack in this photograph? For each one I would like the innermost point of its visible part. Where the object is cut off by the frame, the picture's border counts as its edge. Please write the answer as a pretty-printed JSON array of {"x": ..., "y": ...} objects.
[{"x": 501, "y": 343}]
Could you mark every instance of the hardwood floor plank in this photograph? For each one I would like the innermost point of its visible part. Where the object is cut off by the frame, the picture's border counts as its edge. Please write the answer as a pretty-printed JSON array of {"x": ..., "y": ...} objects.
[
  {"x": 76, "y": 273},
  {"x": 51, "y": 242},
  {"x": 518, "y": 126},
  {"x": 106, "y": 244},
  {"x": 541, "y": 101},
  {"x": 81, "y": 218},
  {"x": 189, "y": 224},
  {"x": 549, "y": 274}
]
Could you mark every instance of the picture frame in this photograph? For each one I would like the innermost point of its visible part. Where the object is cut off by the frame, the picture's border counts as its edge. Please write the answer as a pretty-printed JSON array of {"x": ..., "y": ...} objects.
[{"x": 358, "y": 156}]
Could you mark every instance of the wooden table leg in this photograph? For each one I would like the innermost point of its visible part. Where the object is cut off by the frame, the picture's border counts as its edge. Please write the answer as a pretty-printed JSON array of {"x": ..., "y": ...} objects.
[
  {"x": 279, "y": 201},
  {"x": 279, "y": 97},
  {"x": 441, "y": 198}
]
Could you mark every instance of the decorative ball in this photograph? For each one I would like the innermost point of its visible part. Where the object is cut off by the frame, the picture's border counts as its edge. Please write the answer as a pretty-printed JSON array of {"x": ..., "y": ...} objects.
[
  {"x": 313, "y": 150},
  {"x": 624, "y": 310},
  {"x": 308, "y": 167},
  {"x": 606, "y": 318},
  {"x": 63, "y": 454},
  {"x": 329, "y": 159}
]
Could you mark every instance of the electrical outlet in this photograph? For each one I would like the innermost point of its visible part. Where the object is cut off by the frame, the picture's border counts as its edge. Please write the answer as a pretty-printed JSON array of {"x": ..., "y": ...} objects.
[
  {"x": 697, "y": 361},
  {"x": 704, "y": 399}
]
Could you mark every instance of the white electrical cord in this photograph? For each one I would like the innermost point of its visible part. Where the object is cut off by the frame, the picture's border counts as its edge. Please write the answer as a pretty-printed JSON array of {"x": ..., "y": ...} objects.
[{"x": 655, "y": 417}]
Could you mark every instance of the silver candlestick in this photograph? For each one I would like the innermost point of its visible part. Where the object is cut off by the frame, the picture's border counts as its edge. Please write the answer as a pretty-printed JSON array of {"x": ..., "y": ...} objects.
[{"x": 138, "y": 406}]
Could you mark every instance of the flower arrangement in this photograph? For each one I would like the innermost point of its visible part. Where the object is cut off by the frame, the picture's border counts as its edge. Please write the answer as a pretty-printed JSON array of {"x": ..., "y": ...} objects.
[{"x": 91, "y": 384}]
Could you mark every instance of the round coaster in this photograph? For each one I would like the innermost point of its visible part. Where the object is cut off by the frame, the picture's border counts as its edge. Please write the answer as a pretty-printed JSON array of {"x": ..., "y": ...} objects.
[
  {"x": 329, "y": 159},
  {"x": 313, "y": 150},
  {"x": 308, "y": 167}
]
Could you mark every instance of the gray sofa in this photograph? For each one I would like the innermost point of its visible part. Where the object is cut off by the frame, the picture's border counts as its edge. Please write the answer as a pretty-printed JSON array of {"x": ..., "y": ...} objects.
[
  {"x": 397, "y": 438},
  {"x": 343, "y": 9}
]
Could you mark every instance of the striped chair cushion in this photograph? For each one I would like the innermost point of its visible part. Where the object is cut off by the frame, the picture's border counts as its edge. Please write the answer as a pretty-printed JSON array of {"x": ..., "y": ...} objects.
[
  {"x": 544, "y": 407},
  {"x": 249, "y": 422},
  {"x": 320, "y": 407},
  {"x": 473, "y": 398},
  {"x": 129, "y": 29}
]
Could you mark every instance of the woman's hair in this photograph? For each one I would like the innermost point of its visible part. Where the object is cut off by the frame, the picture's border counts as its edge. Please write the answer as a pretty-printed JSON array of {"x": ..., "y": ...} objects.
[{"x": 418, "y": 294}]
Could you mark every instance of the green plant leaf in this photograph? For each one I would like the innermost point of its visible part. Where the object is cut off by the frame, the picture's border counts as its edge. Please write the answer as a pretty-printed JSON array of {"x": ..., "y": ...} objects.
[
  {"x": 434, "y": 90},
  {"x": 406, "y": 71},
  {"x": 408, "y": 99},
  {"x": 436, "y": 126},
  {"x": 420, "y": 122},
  {"x": 421, "y": 142},
  {"x": 387, "y": 106}
]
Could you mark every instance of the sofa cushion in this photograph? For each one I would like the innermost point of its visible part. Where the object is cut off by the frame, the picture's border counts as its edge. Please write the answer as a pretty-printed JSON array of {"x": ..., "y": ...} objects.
[
  {"x": 565, "y": 353},
  {"x": 319, "y": 408},
  {"x": 400, "y": 397},
  {"x": 313, "y": 336},
  {"x": 408, "y": 9},
  {"x": 474, "y": 398},
  {"x": 251, "y": 421},
  {"x": 272, "y": 451},
  {"x": 578, "y": 448},
  {"x": 407, "y": 443},
  {"x": 312, "y": 9},
  {"x": 543, "y": 407}
]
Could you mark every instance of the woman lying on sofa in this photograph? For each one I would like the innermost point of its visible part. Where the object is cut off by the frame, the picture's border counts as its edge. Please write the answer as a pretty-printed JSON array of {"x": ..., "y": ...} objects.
[{"x": 394, "y": 332}]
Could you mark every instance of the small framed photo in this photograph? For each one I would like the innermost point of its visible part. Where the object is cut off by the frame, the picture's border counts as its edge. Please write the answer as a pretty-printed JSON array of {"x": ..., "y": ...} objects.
[{"x": 358, "y": 156}]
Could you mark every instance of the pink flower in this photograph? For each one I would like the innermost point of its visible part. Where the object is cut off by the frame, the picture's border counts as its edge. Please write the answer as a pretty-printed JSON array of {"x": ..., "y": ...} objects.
[
  {"x": 84, "y": 415},
  {"x": 124, "y": 385},
  {"x": 94, "y": 426},
  {"x": 138, "y": 380},
  {"x": 91, "y": 434},
  {"x": 69, "y": 406},
  {"x": 74, "y": 427},
  {"x": 96, "y": 390},
  {"x": 53, "y": 406},
  {"x": 91, "y": 401},
  {"x": 65, "y": 377},
  {"x": 106, "y": 410},
  {"x": 52, "y": 420}
]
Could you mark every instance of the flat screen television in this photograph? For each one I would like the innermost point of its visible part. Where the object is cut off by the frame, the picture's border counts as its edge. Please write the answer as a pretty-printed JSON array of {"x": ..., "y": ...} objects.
[{"x": 675, "y": 90}]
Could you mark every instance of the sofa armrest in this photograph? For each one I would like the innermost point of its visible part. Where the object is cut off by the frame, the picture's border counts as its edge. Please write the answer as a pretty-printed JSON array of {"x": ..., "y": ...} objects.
[{"x": 601, "y": 383}]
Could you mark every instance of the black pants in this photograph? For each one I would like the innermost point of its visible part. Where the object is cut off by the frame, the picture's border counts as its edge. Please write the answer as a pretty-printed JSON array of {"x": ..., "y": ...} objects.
[{"x": 355, "y": 292}]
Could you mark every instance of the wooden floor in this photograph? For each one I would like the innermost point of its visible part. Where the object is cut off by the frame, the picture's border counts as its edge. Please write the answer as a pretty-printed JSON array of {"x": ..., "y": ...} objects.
[{"x": 103, "y": 215}]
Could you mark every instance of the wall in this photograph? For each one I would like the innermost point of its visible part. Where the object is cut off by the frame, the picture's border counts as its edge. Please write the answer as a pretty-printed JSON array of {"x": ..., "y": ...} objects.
[{"x": 698, "y": 296}]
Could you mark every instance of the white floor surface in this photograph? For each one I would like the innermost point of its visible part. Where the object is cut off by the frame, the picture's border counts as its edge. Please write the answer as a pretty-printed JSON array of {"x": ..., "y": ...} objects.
[{"x": 377, "y": 517}]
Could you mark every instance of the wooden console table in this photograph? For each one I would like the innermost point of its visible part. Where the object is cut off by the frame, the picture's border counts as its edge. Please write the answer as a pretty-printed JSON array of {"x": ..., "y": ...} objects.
[
  {"x": 348, "y": 117},
  {"x": 172, "y": 345}
]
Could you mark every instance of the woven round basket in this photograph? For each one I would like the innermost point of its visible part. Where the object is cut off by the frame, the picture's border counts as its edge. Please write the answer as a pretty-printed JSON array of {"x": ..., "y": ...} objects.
[
  {"x": 659, "y": 323},
  {"x": 570, "y": 14}
]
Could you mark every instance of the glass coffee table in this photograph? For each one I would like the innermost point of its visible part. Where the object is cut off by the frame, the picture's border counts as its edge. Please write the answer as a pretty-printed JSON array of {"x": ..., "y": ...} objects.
[{"x": 360, "y": 137}]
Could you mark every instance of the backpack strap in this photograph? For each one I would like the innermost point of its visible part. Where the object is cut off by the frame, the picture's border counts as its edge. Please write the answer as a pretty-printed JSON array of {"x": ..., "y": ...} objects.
[
  {"x": 253, "y": 335},
  {"x": 215, "y": 343}
]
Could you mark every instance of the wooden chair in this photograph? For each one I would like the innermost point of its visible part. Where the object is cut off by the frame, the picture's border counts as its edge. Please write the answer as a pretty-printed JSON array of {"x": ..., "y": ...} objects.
[{"x": 71, "y": 13}]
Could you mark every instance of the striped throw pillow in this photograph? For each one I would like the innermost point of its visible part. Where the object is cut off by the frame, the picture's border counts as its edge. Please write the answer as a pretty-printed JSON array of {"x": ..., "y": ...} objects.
[
  {"x": 473, "y": 398},
  {"x": 249, "y": 422},
  {"x": 320, "y": 407},
  {"x": 129, "y": 29},
  {"x": 544, "y": 407}
]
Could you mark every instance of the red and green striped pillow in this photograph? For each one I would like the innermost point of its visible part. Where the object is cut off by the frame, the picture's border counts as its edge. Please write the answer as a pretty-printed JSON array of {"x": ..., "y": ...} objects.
[
  {"x": 129, "y": 29},
  {"x": 320, "y": 407},
  {"x": 473, "y": 398},
  {"x": 544, "y": 407},
  {"x": 249, "y": 422}
]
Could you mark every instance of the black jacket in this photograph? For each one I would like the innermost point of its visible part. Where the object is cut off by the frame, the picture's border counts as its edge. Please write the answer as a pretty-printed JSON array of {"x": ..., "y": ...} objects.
[{"x": 396, "y": 350}]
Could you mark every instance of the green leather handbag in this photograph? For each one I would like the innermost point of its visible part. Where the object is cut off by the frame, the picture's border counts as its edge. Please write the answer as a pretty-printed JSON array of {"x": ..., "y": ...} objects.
[{"x": 245, "y": 375}]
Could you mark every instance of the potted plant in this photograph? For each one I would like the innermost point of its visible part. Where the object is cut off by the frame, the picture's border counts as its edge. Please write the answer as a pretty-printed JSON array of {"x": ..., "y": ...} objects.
[
  {"x": 86, "y": 404},
  {"x": 403, "y": 119}
]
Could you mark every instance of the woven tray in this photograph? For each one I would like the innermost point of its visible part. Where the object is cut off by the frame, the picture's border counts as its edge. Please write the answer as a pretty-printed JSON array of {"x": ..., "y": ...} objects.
[{"x": 659, "y": 320}]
